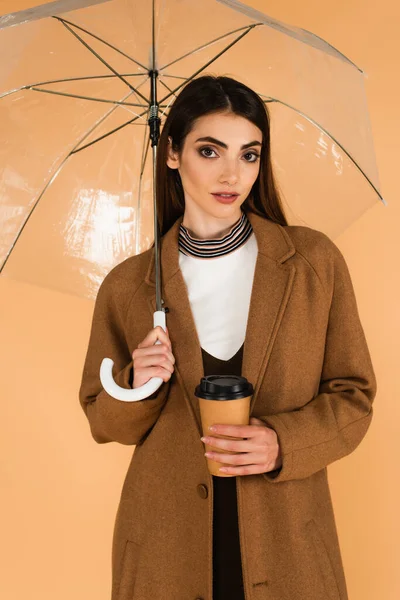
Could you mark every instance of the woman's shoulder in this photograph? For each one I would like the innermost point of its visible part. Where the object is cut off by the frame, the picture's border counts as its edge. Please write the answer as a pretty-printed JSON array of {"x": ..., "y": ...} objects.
[
  {"x": 307, "y": 237},
  {"x": 320, "y": 253},
  {"x": 312, "y": 243}
]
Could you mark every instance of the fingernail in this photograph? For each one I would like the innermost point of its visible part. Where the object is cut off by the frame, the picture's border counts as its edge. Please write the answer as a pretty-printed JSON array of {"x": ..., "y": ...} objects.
[{"x": 211, "y": 428}]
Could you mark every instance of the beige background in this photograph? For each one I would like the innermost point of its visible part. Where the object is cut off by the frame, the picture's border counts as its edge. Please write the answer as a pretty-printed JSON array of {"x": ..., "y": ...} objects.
[{"x": 60, "y": 490}]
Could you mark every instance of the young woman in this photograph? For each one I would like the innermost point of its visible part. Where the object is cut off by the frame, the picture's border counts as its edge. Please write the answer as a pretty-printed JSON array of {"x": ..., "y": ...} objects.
[{"x": 246, "y": 294}]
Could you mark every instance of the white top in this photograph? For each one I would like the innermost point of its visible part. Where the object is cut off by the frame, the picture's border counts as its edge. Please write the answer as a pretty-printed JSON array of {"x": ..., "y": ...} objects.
[{"x": 219, "y": 291}]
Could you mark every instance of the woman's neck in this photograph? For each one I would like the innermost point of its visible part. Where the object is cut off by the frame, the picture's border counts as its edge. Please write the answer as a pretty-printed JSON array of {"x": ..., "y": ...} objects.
[{"x": 209, "y": 230}]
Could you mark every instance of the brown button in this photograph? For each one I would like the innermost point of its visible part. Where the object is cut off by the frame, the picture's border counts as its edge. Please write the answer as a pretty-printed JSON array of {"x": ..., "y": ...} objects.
[{"x": 203, "y": 492}]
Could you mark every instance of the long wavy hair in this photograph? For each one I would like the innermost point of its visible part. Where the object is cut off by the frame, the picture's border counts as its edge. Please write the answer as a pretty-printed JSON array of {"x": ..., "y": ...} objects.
[{"x": 203, "y": 96}]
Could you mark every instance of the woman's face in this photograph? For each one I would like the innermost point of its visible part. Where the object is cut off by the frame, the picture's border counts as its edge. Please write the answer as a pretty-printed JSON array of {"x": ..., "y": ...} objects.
[{"x": 206, "y": 167}]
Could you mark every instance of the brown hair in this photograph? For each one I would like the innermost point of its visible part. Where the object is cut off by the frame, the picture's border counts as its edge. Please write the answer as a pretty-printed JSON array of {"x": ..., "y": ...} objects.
[{"x": 201, "y": 96}]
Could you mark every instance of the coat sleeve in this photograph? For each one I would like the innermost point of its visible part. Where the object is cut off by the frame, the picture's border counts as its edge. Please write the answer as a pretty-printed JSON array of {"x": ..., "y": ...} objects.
[
  {"x": 332, "y": 424},
  {"x": 113, "y": 420}
]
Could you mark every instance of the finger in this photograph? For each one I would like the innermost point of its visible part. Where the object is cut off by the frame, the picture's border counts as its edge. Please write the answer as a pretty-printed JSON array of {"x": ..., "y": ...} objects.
[
  {"x": 242, "y": 458},
  {"x": 157, "y": 333},
  {"x": 161, "y": 335},
  {"x": 235, "y": 445},
  {"x": 142, "y": 378},
  {"x": 243, "y": 470},
  {"x": 166, "y": 332},
  {"x": 240, "y": 431},
  {"x": 149, "y": 357},
  {"x": 145, "y": 364},
  {"x": 162, "y": 372},
  {"x": 255, "y": 421},
  {"x": 156, "y": 350}
]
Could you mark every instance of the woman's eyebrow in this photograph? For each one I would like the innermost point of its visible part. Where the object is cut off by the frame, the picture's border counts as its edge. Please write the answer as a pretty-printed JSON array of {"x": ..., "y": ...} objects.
[{"x": 219, "y": 143}]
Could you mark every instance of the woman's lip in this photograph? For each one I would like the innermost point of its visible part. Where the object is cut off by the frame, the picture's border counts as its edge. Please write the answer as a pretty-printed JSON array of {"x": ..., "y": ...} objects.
[
  {"x": 215, "y": 194},
  {"x": 232, "y": 196},
  {"x": 225, "y": 199}
]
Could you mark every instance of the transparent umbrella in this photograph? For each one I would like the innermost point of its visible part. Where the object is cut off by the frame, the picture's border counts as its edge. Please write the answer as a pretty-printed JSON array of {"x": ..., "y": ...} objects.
[{"x": 82, "y": 98}]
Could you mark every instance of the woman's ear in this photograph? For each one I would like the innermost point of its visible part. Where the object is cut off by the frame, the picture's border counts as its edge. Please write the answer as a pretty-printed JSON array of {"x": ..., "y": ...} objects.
[{"x": 172, "y": 157}]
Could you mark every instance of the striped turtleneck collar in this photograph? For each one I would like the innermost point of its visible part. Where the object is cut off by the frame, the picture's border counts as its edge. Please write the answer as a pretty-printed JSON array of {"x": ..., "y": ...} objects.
[{"x": 231, "y": 241}]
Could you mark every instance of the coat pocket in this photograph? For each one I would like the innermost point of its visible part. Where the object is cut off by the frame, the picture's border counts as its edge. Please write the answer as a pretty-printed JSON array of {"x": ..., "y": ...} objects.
[
  {"x": 323, "y": 561},
  {"x": 128, "y": 570}
]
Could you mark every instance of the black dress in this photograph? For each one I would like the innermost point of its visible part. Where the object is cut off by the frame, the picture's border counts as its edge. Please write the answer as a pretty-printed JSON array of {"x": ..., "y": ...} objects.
[{"x": 227, "y": 563}]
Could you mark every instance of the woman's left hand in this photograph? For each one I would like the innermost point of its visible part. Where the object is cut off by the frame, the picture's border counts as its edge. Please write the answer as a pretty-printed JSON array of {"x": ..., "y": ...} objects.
[{"x": 258, "y": 447}]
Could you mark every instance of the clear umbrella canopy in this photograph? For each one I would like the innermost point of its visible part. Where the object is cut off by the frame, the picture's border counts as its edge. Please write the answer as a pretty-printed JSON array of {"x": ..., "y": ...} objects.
[{"x": 76, "y": 167}]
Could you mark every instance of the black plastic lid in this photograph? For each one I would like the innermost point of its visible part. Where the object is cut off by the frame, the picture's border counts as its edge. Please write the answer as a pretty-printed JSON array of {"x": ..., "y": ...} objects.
[{"x": 223, "y": 387}]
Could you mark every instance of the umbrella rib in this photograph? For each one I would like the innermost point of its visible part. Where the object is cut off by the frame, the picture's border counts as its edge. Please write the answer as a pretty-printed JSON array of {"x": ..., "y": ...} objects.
[
  {"x": 210, "y": 61},
  {"x": 32, "y": 86},
  {"x": 109, "y": 133},
  {"x": 173, "y": 76},
  {"x": 100, "y": 58},
  {"x": 52, "y": 178},
  {"x": 112, "y": 131},
  {"x": 333, "y": 48},
  {"x": 101, "y": 120},
  {"x": 271, "y": 99},
  {"x": 169, "y": 89},
  {"x": 29, "y": 86},
  {"x": 221, "y": 37},
  {"x": 116, "y": 102},
  {"x": 104, "y": 42}
]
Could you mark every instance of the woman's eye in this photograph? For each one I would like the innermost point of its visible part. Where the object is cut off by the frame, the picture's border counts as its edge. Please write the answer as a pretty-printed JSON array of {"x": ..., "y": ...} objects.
[
  {"x": 257, "y": 156},
  {"x": 206, "y": 148}
]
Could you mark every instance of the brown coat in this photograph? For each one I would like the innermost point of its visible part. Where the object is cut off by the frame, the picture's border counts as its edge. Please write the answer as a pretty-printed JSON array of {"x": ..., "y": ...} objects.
[{"x": 306, "y": 355}]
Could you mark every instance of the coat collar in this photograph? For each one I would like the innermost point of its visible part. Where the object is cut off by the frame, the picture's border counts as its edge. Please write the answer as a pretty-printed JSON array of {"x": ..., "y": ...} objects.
[{"x": 271, "y": 290}]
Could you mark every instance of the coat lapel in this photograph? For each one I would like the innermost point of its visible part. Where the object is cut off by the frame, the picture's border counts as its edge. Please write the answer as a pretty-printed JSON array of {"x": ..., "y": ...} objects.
[{"x": 271, "y": 290}]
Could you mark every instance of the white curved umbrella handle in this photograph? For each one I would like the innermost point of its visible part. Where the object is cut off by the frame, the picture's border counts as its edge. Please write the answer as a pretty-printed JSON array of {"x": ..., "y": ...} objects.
[{"x": 140, "y": 393}]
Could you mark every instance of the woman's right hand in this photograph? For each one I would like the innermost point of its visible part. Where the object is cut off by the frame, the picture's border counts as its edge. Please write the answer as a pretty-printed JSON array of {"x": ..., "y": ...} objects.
[{"x": 151, "y": 359}]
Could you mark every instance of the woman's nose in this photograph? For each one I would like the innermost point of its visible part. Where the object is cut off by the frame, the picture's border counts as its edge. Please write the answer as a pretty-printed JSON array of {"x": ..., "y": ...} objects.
[{"x": 230, "y": 174}]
